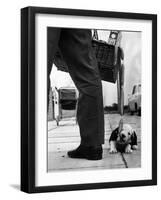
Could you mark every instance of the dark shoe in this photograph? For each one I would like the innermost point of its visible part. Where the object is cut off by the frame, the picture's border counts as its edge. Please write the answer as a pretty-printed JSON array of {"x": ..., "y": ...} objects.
[{"x": 90, "y": 153}]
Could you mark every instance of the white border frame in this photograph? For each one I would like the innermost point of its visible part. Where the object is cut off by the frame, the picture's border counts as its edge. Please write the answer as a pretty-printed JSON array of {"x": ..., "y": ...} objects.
[{"x": 94, "y": 176}]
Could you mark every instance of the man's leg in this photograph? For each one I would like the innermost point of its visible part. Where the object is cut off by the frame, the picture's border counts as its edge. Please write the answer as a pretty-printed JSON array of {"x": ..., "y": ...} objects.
[{"x": 76, "y": 48}]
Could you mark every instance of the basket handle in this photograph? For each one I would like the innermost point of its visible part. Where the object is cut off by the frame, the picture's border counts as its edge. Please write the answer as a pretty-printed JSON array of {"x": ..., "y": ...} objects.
[{"x": 95, "y": 34}]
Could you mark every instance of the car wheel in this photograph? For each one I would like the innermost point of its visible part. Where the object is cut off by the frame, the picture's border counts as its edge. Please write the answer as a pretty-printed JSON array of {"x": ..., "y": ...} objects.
[
  {"x": 136, "y": 107},
  {"x": 131, "y": 112},
  {"x": 139, "y": 112}
]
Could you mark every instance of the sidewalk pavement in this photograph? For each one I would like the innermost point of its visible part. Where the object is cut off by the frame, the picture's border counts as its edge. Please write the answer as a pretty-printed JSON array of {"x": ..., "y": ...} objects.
[{"x": 65, "y": 137}]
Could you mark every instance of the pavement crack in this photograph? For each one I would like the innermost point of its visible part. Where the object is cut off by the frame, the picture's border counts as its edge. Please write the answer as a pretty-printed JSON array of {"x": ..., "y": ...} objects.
[{"x": 124, "y": 160}]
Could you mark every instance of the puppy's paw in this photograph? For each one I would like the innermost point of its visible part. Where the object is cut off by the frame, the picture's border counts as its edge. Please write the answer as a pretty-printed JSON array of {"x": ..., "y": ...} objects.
[
  {"x": 113, "y": 147},
  {"x": 134, "y": 147},
  {"x": 113, "y": 150},
  {"x": 128, "y": 149}
]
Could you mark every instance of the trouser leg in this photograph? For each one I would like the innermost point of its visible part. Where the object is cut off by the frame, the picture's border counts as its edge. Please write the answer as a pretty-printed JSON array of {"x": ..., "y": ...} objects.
[
  {"x": 53, "y": 35},
  {"x": 75, "y": 45}
]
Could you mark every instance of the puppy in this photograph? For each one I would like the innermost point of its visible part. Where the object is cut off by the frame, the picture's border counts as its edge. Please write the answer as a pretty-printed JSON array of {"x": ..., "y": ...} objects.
[{"x": 123, "y": 139}]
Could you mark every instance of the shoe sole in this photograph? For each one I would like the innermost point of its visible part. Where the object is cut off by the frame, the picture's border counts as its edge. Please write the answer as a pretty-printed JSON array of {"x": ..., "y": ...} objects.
[{"x": 93, "y": 157}]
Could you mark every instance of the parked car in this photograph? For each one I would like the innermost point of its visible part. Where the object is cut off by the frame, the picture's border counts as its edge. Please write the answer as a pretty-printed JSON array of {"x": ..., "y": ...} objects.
[{"x": 134, "y": 100}]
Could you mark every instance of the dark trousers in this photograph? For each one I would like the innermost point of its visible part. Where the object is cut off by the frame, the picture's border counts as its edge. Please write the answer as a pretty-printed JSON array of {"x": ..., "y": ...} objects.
[{"x": 76, "y": 48}]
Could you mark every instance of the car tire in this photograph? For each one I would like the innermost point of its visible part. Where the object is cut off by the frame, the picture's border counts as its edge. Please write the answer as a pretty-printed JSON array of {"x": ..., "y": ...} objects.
[
  {"x": 139, "y": 112},
  {"x": 136, "y": 107},
  {"x": 131, "y": 112}
]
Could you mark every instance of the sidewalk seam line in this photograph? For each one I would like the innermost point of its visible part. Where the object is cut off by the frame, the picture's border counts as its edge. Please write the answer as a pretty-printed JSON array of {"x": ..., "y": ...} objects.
[{"x": 124, "y": 160}]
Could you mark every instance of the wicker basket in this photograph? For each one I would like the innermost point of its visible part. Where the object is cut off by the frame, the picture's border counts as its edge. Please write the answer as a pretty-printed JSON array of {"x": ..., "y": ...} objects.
[
  {"x": 105, "y": 55},
  {"x": 106, "y": 58}
]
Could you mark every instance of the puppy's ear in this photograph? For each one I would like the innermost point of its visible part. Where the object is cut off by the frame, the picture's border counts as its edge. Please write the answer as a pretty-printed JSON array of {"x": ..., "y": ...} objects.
[
  {"x": 133, "y": 138},
  {"x": 120, "y": 125},
  {"x": 114, "y": 135}
]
